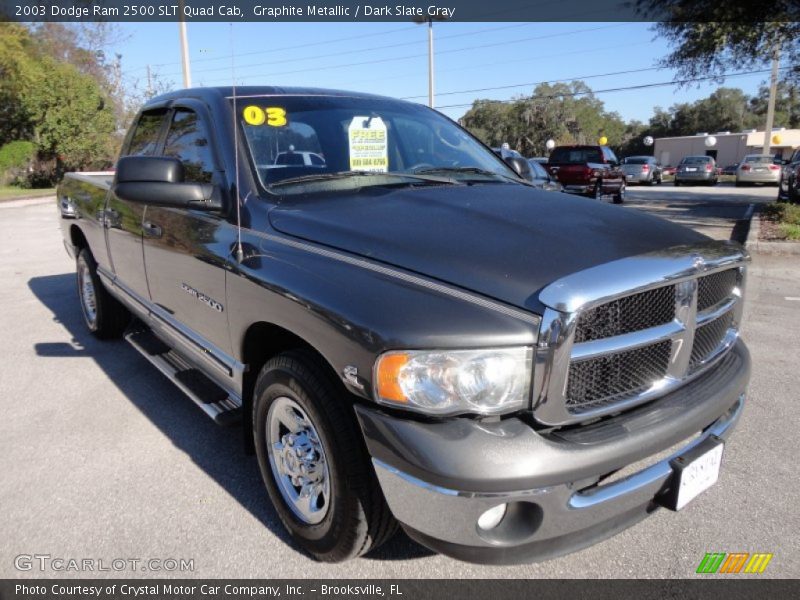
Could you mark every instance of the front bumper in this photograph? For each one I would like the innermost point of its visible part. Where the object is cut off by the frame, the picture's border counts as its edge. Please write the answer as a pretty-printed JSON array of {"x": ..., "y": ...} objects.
[{"x": 440, "y": 477}]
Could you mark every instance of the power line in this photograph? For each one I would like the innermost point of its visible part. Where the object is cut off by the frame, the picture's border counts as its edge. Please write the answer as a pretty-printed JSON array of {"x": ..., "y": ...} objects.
[
  {"x": 281, "y": 49},
  {"x": 516, "y": 85},
  {"x": 505, "y": 62},
  {"x": 618, "y": 89},
  {"x": 451, "y": 51},
  {"x": 356, "y": 51}
]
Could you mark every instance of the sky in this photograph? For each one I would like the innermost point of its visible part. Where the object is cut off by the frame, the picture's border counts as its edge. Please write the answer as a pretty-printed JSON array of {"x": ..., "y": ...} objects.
[{"x": 391, "y": 59}]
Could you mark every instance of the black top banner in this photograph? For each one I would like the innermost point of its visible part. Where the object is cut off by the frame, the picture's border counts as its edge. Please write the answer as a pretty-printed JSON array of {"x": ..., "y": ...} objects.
[{"x": 403, "y": 11}]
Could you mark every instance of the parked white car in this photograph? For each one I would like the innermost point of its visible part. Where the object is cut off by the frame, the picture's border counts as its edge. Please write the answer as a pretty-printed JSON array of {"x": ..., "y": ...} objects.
[{"x": 757, "y": 168}]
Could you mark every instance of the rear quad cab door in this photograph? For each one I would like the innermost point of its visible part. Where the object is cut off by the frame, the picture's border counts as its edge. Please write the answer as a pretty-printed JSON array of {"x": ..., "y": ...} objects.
[{"x": 185, "y": 251}]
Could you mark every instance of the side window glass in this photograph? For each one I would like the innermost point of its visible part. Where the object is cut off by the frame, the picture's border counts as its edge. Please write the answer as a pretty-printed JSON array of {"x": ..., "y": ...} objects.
[
  {"x": 145, "y": 137},
  {"x": 188, "y": 141}
]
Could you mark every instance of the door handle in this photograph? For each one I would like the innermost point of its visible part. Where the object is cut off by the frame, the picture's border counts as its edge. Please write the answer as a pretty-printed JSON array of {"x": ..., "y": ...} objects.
[{"x": 151, "y": 229}]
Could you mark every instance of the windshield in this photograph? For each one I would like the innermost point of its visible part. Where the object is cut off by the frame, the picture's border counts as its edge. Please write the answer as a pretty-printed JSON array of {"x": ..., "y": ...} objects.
[
  {"x": 696, "y": 160},
  {"x": 576, "y": 156},
  {"x": 316, "y": 139}
]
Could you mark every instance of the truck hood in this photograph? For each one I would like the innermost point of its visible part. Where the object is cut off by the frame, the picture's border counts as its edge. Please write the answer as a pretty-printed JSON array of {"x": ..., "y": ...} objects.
[{"x": 504, "y": 241}]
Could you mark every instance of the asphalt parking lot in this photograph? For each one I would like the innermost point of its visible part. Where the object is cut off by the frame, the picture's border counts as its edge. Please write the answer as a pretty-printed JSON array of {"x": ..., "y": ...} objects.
[{"x": 103, "y": 458}]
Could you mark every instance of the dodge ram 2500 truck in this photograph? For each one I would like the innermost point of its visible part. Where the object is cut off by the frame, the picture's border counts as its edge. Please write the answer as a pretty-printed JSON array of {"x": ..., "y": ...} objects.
[{"x": 407, "y": 331}]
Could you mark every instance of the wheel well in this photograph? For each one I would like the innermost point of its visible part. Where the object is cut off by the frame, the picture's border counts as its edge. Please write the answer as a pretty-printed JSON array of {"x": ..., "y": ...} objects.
[
  {"x": 77, "y": 238},
  {"x": 261, "y": 342}
]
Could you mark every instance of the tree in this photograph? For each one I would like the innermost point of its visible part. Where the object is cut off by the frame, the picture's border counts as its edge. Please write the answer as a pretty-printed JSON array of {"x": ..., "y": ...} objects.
[
  {"x": 52, "y": 103},
  {"x": 787, "y": 104},
  {"x": 566, "y": 112},
  {"x": 712, "y": 38}
]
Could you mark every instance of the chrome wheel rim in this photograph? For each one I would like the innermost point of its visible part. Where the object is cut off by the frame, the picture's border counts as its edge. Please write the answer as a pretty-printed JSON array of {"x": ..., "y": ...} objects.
[
  {"x": 298, "y": 462},
  {"x": 87, "y": 293}
]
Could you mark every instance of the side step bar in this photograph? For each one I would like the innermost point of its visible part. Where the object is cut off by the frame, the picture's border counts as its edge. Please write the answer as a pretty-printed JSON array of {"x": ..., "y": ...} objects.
[{"x": 222, "y": 407}]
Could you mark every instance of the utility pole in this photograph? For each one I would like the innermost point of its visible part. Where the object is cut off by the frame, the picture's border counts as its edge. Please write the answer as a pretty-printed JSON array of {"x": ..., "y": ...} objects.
[
  {"x": 773, "y": 92},
  {"x": 187, "y": 75},
  {"x": 430, "y": 63},
  {"x": 429, "y": 20}
]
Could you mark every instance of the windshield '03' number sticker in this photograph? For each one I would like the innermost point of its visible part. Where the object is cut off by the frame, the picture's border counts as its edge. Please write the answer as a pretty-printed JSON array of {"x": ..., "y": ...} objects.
[
  {"x": 273, "y": 116},
  {"x": 368, "y": 145}
]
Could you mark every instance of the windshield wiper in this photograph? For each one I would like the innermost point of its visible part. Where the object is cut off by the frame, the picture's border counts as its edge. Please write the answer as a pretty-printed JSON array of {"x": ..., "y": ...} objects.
[
  {"x": 469, "y": 171},
  {"x": 347, "y": 174}
]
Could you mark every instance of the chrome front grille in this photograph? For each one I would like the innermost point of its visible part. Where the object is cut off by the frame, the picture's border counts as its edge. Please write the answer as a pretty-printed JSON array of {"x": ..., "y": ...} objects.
[
  {"x": 708, "y": 337},
  {"x": 623, "y": 333},
  {"x": 713, "y": 289},
  {"x": 614, "y": 377},
  {"x": 628, "y": 314}
]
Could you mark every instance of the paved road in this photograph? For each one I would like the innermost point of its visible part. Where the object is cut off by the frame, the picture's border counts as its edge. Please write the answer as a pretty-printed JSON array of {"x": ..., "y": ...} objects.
[
  {"x": 713, "y": 211},
  {"x": 101, "y": 457}
]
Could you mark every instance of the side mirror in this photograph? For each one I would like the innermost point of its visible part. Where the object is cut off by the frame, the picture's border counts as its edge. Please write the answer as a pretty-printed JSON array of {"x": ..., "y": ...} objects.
[
  {"x": 520, "y": 166},
  {"x": 159, "y": 181}
]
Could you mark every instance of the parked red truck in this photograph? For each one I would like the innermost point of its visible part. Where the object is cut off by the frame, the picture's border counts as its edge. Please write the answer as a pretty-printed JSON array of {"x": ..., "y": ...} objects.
[{"x": 589, "y": 171}]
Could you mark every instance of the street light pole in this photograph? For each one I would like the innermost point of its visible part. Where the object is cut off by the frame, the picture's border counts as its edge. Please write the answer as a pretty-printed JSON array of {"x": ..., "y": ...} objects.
[
  {"x": 430, "y": 63},
  {"x": 773, "y": 92},
  {"x": 187, "y": 74}
]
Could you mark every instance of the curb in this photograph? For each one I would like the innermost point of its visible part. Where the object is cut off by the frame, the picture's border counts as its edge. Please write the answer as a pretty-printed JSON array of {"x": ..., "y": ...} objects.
[
  {"x": 779, "y": 248},
  {"x": 31, "y": 200}
]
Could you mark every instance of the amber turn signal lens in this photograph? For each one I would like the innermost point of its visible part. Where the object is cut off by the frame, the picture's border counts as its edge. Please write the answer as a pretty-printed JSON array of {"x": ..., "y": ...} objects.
[{"x": 388, "y": 373}]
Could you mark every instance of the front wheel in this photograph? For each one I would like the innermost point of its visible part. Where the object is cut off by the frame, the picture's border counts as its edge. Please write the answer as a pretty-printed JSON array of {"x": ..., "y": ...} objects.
[
  {"x": 313, "y": 462},
  {"x": 105, "y": 317}
]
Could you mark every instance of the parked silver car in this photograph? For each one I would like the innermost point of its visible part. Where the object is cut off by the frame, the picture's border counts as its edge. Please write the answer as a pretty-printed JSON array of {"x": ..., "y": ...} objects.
[
  {"x": 757, "y": 168},
  {"x": 696, "y": 169},
  {"x": 641, "y": 169}
]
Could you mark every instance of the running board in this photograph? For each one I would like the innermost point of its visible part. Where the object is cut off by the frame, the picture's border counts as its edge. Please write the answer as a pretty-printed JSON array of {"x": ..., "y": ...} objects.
[{"x": 222, "y": 407}]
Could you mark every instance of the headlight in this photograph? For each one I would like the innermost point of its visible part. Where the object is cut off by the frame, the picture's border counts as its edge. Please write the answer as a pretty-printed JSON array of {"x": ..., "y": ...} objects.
[{"x": 446, "y": 382}]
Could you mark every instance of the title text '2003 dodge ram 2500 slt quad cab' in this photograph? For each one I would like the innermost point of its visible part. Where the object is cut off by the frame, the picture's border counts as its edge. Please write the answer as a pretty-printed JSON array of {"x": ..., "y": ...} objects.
[{"x": 409, "y": 332}]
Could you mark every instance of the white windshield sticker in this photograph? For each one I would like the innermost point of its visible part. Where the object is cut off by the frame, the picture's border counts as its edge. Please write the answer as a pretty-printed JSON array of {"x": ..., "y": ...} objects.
[{"x": 368, "y": 145}]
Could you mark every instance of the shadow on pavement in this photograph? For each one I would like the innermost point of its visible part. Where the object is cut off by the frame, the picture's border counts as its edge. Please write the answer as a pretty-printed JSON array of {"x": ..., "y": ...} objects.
[{"x": 216, "y": 450}]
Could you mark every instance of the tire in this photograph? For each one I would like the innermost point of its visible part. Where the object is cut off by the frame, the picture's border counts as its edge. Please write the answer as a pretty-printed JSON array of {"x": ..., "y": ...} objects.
[
  {"x": 676, "y": 183},
  {"x": 347, "y": 514},
  {"x": 597, "y": 193},
  {"x": 619, "y": 197},
  {"x": 103, "y": 314}
]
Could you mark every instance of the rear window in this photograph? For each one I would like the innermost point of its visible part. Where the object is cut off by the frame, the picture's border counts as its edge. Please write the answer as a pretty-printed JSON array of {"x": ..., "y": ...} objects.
[
  {"x": 635, "y": 160},
  {"x": 576, "y": 156},
  {"x": 761, "y": 160},
  {"x": 696, "y": 160}
]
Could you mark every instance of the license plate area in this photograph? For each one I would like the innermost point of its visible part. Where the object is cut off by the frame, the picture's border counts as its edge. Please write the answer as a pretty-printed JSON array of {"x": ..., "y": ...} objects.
[{"x": 693, "y": 472}]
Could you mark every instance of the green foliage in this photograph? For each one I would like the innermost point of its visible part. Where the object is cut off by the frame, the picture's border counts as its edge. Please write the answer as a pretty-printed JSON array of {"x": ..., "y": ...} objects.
[
  {"x": 566, "y": 112},
  {"x": 711, "y": 38},
  {"x": 60, "y": 106},
  {"x": 16, "y": 155},
  {"x": 781, "y": 212}
]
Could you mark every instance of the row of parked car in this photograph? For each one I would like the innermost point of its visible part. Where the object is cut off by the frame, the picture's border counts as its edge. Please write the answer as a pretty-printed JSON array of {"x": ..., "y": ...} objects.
[{"x": 596, "y": 172}]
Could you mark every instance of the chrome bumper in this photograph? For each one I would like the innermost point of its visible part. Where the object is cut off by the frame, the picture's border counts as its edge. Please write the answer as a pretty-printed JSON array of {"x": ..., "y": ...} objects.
[
  {"x": 439, "y": 480},
  {"x": 544, "y": 515}
]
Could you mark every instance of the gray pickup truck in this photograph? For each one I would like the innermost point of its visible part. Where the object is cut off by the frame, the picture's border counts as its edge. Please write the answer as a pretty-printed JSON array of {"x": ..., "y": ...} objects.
[{"x": 406, "y": 331}]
